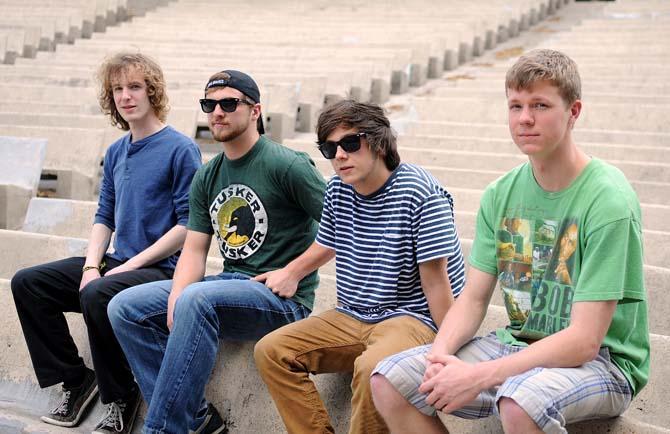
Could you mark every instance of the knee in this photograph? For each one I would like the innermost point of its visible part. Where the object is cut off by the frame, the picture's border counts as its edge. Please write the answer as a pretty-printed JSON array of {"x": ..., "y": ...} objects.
[
  {"x": 115, "y": 310},
  {"x": 385, "y": 396},
  {"x": 363, "y": 367},
  {"x": 267, "y": 352},
  {"x": 92, "y": 297},
  {"x": 19, "y": 283},
  {"x": 513, "y": 417},
  {"x": 193, "y": 299}
]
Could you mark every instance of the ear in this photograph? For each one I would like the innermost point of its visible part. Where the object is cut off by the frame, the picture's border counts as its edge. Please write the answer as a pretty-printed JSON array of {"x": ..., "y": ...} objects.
[
  {"x": 575, "y": 111},
  {"x": 256, "y": 111}
]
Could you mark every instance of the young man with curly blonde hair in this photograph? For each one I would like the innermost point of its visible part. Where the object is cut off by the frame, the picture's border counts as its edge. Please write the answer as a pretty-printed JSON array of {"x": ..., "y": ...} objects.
[{"x": 144, "y": 201}]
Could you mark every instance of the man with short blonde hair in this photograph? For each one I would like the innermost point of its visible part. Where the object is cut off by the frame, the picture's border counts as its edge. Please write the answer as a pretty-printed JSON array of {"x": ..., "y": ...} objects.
[{"x": 564, "y": 234}]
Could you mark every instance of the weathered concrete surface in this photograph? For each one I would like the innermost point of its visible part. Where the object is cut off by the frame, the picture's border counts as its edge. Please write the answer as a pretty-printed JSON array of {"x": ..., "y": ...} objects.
[
  {"x": 21, "y": 249},
  {"x": 14, "y": 202},
  {"x": 596, "y": 113},
  {"x": 246, "y": 394},
  {"x": 73, "y": 152},
  {"x": 64, "y": 217},
  {"x": 20, "y": 168},
  {"x": 501, "y": 130},
  {"x": 21, "y": 162}
]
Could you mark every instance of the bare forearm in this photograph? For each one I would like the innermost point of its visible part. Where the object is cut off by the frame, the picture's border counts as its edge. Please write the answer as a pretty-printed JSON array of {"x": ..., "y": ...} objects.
[
  {"x": 314, "y": 257},
  {"x": 436, "y": 287},
  {"x": 458, "y": 326},
  {"x": 165, "y": 246},
  {"x": 190, "y": 269},
  {"x": 565, "y": 349},
  {"x": 98, "y": 243},
  {"x": 439, "y": 304},
  {"x": 573, "y": 346},
  {"x": 467, "y": 313}
]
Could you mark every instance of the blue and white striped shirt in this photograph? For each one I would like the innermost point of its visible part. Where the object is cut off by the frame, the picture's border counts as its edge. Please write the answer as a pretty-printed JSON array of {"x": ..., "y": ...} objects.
[{"x": 381, "y": 239}]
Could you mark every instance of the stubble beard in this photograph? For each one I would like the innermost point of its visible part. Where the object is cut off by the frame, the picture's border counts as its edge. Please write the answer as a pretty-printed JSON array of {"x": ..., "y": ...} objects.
[{"x": 230, "y": 134}]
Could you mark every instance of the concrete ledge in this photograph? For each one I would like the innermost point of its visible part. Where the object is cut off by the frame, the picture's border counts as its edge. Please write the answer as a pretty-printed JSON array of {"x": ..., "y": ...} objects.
[
  {"x": 435, "y": 67},
  {"x": 418, "y": 74},
  {"x": 279, "y": 126},
  {"x": 399, "y": 82},
  {"x": 20, "y": 168},
  {"x": 307, "y": 117},
  {"x": 380, "y": 91},
  {"x": 60, "y": 217},
  {"x": 14, "y": 202},
  {"x": 26, "y": 249}
]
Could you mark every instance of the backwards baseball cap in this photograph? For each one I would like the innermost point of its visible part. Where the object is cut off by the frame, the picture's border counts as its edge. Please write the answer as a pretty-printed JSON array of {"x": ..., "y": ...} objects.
[{"x": 240, "y": 81}]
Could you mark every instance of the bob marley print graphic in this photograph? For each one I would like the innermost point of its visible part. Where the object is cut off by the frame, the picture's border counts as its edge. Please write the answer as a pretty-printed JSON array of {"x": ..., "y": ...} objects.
[
  {"x": 568, "y": 245},
  {"x": 536, "y": 263},
  {"x": 239, "y": 220}
]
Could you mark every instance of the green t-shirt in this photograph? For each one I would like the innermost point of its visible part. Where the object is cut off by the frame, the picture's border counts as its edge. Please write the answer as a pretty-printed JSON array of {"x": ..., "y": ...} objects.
[
  {"x": 263, "y": 208},
  {"x": 552, "y": 249}
]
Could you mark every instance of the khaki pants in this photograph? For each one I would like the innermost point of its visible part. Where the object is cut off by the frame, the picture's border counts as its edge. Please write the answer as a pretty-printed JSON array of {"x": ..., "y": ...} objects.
[{"x": 326, "y": 343}]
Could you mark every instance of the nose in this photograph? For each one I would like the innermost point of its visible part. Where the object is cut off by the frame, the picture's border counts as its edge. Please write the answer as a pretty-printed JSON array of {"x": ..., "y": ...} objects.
[
  {"x": 340, "y": 153},
  {"x": 526, "y": 116},
  {"x": 125, "y": 93},
  {"x": 218, "y": 111}
]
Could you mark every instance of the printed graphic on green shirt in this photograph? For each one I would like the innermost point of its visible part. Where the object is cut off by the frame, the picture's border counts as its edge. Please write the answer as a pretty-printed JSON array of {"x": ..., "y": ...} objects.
[
  {"x": 239, "y": 220},
  {"x": 537, "y": 273}
]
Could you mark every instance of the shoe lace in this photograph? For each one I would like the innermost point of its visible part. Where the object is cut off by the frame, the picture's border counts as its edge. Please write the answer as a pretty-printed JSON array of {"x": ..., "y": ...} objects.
[
  {"x": 61, "y": 408},
  {"x": 114, "y": 417}
]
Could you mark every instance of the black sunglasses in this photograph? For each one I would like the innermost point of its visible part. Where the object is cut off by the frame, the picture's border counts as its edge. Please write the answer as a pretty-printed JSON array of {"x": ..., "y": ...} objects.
[
  {"x": 350, "y": 143},
  {"x": 228, "y": 105}
]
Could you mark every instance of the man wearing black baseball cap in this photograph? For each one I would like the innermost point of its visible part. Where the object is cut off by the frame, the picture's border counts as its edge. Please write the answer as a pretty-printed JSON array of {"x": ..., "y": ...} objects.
[{"x": 263, "y": 203}]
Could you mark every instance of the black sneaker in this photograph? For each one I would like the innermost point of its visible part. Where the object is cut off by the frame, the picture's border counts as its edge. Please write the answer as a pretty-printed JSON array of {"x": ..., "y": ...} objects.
[
  {"x": 74, "y": 403},
  {"x": 213, "y": 423},
  {"x": 120, "y": 416}
]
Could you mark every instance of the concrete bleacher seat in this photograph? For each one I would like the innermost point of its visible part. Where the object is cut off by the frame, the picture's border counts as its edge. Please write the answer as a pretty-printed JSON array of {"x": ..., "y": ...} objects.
[
  {"x": 64, "y": 217},
  {"x": 20, "y": 168},
  {"x": 237, "y": 390},
  {"x": 74, "y": 218},
  {"x": 73, "y": 156},
  {"x": 491, "y": 107},
  {"x": 182, "y": 119},
  {"x": 27, "y": 26}
]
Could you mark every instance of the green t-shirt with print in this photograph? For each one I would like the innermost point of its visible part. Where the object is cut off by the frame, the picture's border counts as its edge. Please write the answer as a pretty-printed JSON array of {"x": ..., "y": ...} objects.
[
  {"x": 263, "y": 208},
  {"x": 552, "y": 249}
]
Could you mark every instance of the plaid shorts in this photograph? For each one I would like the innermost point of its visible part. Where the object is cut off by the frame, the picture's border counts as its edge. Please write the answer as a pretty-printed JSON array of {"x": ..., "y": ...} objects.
[{"x": 552, "y": 397}]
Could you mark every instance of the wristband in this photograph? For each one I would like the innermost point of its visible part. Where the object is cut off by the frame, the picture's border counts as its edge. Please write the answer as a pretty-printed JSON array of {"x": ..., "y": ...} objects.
[{"x": 85, "y": 268}]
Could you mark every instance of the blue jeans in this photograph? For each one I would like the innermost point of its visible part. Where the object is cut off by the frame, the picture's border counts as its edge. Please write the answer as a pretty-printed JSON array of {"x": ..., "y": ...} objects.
[{"x": 172, "y": 368}]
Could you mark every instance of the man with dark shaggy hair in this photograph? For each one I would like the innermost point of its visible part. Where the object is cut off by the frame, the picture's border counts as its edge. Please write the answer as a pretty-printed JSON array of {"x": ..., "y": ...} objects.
[{"x": 399, "y": 264}]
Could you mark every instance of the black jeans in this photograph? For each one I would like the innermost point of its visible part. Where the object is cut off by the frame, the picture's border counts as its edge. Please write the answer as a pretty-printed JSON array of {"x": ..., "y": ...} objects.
[{"x": 44, "y": 292}]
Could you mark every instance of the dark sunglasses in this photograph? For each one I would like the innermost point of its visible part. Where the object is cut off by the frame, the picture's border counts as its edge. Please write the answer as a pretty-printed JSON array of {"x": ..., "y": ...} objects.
[
  {"x": 350, "y": 143},
  {"x": 228, "y": 105}
]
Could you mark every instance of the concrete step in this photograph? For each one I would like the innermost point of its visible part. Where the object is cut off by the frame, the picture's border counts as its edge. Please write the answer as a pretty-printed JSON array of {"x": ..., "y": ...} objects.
[
  {"x": 408, "y": 125},
  {"x": 245, "y": 392},
  {"x": 181, "y": 118},
  {"x": 478, "y": 178},
  {"x": 20, "y": 169},
  {"x": 504, "y": 159},
  {"x": 22, "y": 249},
  {"x": 73, "y": 155},
  {"x": 597, "y": 112},
  {"x": 469, "y": 81}
]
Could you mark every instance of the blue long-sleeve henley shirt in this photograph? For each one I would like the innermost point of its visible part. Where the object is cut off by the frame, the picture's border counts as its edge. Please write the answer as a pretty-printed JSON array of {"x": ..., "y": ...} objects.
[{"x": 144, "y": 190}]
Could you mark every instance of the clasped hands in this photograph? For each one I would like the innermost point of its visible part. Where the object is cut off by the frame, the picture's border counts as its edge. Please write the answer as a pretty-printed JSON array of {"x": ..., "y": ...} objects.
[{"x": 450, "y": 383}]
